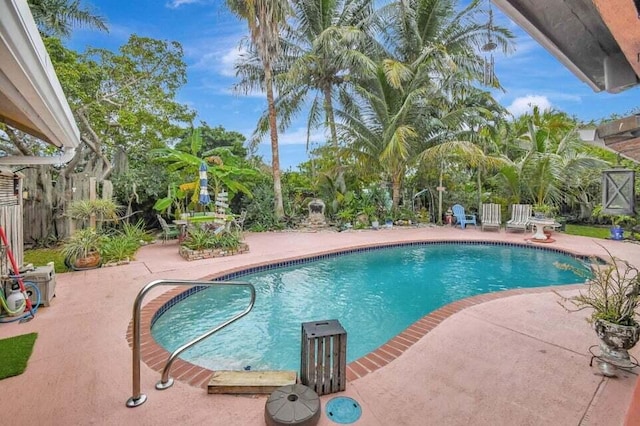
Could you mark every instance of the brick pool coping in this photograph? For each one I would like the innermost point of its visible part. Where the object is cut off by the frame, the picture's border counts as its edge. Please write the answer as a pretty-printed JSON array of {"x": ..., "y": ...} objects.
[{"x": 155, "y": 356}]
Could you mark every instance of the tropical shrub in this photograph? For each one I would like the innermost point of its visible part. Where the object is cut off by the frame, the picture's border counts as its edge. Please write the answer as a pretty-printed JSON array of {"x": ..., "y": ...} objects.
[
  {"x": 202, "y": 238},
  {"x": 136, "y": 231},
  {"x": 118, "y": 247},
  {"x": 102, "y": 209},
  {"x": 260, "y": 212}
]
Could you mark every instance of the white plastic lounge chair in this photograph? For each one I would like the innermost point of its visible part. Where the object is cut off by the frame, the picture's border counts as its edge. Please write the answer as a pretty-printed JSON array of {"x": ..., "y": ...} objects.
[
  {"x": 520, "y": 215},
  {"x": 491, "y": 216}
]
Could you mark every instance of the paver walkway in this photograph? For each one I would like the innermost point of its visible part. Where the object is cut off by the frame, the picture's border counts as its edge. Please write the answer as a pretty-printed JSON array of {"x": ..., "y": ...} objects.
[{"x": 518, "y": 360}]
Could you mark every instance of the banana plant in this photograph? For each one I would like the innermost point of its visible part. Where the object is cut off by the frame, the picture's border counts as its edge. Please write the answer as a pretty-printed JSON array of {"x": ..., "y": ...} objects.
[{"x": 222, "y": 171}]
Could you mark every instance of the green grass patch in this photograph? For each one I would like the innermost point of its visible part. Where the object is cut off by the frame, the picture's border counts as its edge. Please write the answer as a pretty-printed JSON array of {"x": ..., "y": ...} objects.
[
  {"x": 588, "y": 231},
  {"x": 42, "y": 256},
  {"x": 14, "y": 354}
]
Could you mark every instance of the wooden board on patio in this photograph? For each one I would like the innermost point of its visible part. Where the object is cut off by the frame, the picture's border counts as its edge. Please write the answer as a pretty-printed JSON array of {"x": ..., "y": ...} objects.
[{"x": 249, "y": 382}]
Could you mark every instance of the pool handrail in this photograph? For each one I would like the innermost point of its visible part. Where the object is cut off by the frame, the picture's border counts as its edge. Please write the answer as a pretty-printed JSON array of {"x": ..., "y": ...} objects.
[{"x": 165, "y": 382}]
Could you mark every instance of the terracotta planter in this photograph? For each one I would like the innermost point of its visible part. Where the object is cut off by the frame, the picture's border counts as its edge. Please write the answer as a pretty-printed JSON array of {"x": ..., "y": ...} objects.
[
  {"x": 616, "y": 340},
  {"x": 91, "y": 261}
]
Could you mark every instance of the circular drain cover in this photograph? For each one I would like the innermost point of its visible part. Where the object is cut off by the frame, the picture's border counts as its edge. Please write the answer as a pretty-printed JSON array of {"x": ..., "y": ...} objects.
[{"x": 343, "y": 409}]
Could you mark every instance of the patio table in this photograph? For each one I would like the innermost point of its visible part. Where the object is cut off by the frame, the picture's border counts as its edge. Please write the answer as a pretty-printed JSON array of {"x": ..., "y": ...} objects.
[
  {"x": 182, "y": 227},
  {"x": 539, "y": 225}
]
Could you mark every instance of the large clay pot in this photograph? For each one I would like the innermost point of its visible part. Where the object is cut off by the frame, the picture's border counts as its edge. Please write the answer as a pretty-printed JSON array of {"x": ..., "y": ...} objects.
[
  {"x": 615, "y": 340},
  {"x": 91, "y": 261}
]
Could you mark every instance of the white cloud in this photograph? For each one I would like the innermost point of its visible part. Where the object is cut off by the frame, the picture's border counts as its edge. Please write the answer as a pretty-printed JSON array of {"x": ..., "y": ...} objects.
[
  {"x": 219, "y": 57},
  {"x": 525, "y": 104},
  {"x": 174, "y": 4},
  {"x": 228, "y": 61}
]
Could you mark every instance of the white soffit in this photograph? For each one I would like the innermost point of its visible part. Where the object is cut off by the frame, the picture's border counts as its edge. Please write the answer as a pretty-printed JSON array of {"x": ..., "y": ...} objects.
[{"x": 31, "y": 98}]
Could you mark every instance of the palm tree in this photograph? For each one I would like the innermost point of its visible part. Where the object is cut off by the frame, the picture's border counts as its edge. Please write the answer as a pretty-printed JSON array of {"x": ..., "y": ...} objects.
[
  {"x": 549, "y": 164},
  {"x": 553, "y": 156},
  {"x": 433, "y": 31},
  {"x": 327, "y": 43},
  {"x": 381, "y": 126},
  {"x": 412, "y": 102},
  {"x": 266, "y": 19},
  {"x": 58, "y": 17}
]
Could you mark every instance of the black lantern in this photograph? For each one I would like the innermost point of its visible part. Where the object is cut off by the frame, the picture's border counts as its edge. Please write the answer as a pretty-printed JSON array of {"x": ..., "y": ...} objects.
[{"x": 618, "y": 192}]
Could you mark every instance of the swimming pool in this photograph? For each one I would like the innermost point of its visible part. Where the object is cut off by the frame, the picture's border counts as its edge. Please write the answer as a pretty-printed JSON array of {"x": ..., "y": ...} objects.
[{"x": 374, "y": 293}]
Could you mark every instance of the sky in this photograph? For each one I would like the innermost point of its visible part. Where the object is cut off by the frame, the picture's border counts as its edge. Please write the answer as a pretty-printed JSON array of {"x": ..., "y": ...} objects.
[{"x": 211, "y": 38}]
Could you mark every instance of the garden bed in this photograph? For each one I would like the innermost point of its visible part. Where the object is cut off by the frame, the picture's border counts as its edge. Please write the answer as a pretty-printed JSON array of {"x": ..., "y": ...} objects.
[{"x": 189, "y": 254}]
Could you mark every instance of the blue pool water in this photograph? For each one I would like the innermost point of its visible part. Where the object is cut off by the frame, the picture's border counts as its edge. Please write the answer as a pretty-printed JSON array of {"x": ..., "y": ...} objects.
[{"x": 374, "y": 294}]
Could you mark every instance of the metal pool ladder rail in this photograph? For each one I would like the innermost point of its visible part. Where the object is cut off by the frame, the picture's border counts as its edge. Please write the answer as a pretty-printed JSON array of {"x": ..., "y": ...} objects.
[{"x": 165, "y": 382}]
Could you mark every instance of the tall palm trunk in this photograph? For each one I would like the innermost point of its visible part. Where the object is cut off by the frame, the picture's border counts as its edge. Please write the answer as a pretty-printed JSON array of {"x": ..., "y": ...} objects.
[
  {"x": 396, "y": 186},
  {"x": 328, "y": 109},
  {"x": 275, "y": 154},
  {"x": 440, "y": 191},
  {"x": 479, "y": 190}
]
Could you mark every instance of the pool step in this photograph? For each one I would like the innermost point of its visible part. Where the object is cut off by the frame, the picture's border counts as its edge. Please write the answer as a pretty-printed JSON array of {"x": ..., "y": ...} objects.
[{"x": 249, "y": 382}]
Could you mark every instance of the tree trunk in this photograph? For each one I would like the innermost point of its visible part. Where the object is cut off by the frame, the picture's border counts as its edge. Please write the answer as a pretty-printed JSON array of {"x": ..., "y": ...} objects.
[
  {"x": 479, "y": 191},
  {"x": 275, "y": 155},
  {"x": 396, "y": 185},
  {"x": 440, "y": 199}
]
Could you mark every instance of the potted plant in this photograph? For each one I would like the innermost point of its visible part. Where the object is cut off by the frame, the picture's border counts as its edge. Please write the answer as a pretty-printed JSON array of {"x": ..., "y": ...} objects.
[
  {"x": 618, "y": 222},
  {"x": 375, "y": 222},
  {"x": 346, "y": 215},
  {"x": 542, "y": 211},
  {"x": 82, "y": 249},
  {"x": 612, "y": 292}
]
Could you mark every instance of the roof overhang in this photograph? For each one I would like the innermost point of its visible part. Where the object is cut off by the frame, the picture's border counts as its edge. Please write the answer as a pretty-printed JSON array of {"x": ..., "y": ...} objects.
[
  {"x": 622, "y": 136},
  {"x": 31, "y": 98},
  {"x": 597, "y": 40}
]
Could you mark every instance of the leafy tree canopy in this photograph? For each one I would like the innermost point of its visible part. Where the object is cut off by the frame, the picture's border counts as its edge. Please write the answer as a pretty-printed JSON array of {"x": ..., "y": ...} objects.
[{"x": 123, "y": 99}]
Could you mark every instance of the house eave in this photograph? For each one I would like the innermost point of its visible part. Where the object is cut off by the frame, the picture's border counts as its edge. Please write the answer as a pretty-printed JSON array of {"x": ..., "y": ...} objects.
[{"x": 31, "y": 98}]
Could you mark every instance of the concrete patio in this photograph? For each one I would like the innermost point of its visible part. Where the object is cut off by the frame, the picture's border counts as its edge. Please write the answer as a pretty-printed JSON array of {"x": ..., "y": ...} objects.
[{"x": 514, "y": 360}]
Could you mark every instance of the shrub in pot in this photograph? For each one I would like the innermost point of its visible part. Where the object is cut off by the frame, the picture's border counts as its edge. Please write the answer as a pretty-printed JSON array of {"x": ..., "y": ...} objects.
[
  {"x": 82, "y": 249},
  {"x": 613, "y": 293},
  {"x": 543, "y": 211}
]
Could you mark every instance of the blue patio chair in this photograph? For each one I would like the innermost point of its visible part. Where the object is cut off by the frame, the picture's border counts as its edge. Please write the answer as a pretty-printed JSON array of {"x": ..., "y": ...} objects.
[{"x": 463, "y": 219}]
